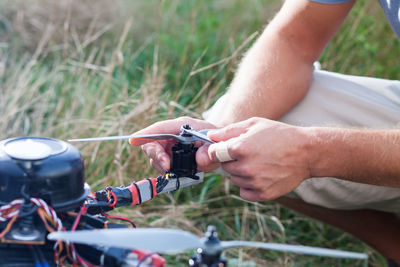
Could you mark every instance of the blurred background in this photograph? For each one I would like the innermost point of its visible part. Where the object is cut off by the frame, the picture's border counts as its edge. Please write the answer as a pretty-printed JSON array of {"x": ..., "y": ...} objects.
[{"x": 71, "y": 69}]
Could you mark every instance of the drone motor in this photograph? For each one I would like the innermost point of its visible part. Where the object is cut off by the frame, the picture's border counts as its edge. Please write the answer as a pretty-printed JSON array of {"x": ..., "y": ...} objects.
[
  {"x": 42, "y": 190},
  {"x": 45, "y": 168}
]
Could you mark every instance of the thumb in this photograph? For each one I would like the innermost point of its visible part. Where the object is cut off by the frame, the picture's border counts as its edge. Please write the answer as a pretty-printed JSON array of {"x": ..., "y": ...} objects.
[{"x": 162, "y": 127}]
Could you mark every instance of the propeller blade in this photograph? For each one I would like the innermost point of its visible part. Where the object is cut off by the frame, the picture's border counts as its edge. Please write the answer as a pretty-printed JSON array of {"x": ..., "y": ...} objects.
[
  {"x": 123, "y": 137},
  {"x": 167, "y": 241},
  {"x": 201, "y": 135},
  {"x": 296, "y": 249}
]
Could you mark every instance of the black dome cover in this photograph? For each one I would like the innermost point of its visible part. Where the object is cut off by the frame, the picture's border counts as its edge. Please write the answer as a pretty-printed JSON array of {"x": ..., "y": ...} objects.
[{"x": 48, "y": 168}]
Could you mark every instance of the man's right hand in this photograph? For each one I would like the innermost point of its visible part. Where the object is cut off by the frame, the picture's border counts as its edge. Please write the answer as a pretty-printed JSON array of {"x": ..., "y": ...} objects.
[{"x": 160, "y": 151}]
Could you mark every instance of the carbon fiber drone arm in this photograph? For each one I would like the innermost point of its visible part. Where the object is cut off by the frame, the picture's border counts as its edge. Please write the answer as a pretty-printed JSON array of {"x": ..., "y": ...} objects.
[
  {"x": 139, "y": 192},
  {"x": 183, "y": 173}
]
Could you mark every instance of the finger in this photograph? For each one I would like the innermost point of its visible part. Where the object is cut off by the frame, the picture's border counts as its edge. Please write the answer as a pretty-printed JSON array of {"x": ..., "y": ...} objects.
[
  {"x": 209, "y": 168},
  {"x": 161, "y": 127},
  {"x": 237, "y": 168},
  {"x": 157, "y": 166},
  {"x": 204, "y": 162},
  {"x": 242, "y": 182},
  {"x": 230, "y": 131},
  {"x": 170, "y": 127},
  {"x": 156, "y": 152},
  {"x": 222, "y": 151},
  {"x": 250, "y": 194}
]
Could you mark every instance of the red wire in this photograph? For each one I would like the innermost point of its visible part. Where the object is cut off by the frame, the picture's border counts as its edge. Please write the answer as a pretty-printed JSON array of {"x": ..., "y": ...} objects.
[
  {"x": 76, "y": 222},
  {"x": 119, "y": 218},
  {"x": 115, "y": 199},
  {"x": 74, "y": 226},
  {"x": 85, "y": 263}
]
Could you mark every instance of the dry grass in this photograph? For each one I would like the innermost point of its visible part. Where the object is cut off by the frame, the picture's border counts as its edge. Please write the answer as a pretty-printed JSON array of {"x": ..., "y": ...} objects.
[{"x": 96, "y": 68}]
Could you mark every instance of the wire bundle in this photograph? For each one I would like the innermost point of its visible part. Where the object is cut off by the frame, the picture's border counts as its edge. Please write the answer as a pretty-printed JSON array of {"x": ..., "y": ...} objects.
[{"x": 10, "y": 212}]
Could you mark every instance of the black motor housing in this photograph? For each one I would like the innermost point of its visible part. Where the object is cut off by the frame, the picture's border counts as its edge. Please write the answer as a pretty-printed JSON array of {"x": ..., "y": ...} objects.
[{"x": 45, "y": 168}]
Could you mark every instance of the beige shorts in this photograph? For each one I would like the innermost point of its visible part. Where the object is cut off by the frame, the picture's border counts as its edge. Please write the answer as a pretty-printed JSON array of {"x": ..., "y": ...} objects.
[{"x": 343, "y": 101}]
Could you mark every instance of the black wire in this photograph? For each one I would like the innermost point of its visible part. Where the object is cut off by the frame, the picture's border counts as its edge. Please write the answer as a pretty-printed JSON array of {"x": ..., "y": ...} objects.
[
  {"x": 34, "y": 253},
  {"x": 24, "y": 194},
  {"x": 145, "y": 258},
  {"x": 162, "y": 181},
  {"x": 39, "y": 254},
  {"x": 24, "y": 213},
  {"x": 31, "y": 176},
  {"x": 178, "y": 183},
  {"x": 27, "y": 204},
  {"x": 39, "y": 251}
]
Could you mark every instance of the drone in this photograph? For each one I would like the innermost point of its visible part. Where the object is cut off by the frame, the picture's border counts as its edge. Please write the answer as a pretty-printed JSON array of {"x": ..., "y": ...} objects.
[{"x": 50, "y": 217}]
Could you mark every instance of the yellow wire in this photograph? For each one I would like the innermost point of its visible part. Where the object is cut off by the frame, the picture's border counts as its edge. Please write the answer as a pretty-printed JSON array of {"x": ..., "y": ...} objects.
[{"x": 167, "y": 176}]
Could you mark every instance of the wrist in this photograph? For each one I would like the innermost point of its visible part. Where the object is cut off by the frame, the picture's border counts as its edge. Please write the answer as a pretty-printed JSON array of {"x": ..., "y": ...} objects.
[{"x": 326, "y": 153}]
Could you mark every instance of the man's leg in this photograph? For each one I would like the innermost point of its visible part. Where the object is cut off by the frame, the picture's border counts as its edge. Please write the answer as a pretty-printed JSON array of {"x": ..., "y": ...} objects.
[
  {"x": 380, "y": 230},
  {"x": 350, "y": 101}
]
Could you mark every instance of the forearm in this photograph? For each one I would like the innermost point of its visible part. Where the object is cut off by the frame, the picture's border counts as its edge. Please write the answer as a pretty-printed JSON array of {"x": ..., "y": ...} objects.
[
  {"x": 270, "y": 81},
  {"x": 365, "y": 156},
  {"x": 276, "y": 72}
]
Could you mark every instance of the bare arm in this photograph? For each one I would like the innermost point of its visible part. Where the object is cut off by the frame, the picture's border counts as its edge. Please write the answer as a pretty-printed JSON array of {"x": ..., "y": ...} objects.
[
  {"x": 365, "y": 156},
  {"x": 276, "y": 72},
  {"x": 273, "y": 158},
  {"x": 274, "y": 75}
]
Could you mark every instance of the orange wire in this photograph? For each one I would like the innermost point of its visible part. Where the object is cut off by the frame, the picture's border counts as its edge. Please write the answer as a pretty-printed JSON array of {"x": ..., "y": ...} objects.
[
  {"x": 49, "y": 218},
  {"x": 43, "y": 217},
  {"x": 8, "y": 227}
]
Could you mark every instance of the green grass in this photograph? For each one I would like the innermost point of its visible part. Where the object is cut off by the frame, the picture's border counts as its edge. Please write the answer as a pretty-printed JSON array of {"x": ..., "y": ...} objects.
[{"x": 84, "y": 68}]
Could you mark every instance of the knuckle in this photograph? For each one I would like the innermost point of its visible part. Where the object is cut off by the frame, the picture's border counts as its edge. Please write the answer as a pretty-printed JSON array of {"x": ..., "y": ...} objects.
[
  {"x": 157, "y": 124},
  {"x": 268, "y": 195},
  {"x": 237, "y": 149},
  {"x": 150, "y": 150},
  {"x": 254, "y": 120},
  {"x": 247, "y": 171},
  {"x": 212, "y": 153},
  {"x": 145, "y": 149},
  {"x": 152, "y": 163},
  {"x": 159, "y": 156},
  {"x": 229, "y": 127},
  {"x": 259, "y": 183},
  {"x": 237, "y": 181}
]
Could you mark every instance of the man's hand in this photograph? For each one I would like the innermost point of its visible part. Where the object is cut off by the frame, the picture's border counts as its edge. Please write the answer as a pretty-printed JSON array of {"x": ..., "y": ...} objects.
[
  {"x": 160, "y": 151},
  {"x": 270, "y": 157}
]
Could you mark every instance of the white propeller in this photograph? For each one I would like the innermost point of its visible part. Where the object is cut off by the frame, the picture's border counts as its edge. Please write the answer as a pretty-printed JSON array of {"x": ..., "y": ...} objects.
[
  {"x": 174, "y": 241},
  {"x": 186, "y": 135}
]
